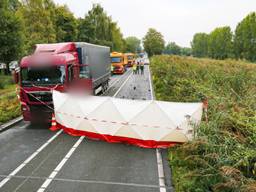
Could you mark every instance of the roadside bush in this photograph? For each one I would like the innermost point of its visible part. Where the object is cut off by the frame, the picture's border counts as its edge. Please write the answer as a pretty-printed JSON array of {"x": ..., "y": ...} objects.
[
  {"x": 222, "y": 157},
  {"x": 1, "y": 85},
  {"x": 5, "y": 81},
  {"x": 9, "y": 104}
]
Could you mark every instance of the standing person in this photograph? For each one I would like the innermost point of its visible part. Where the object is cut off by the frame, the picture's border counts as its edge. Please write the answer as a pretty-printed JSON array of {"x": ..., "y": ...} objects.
[
  {"x": 138, "y": 68},
  {"x": 142, "y": 68},
  {"x": 134, "y": 68},
  {"x": 141, "y": 61}
]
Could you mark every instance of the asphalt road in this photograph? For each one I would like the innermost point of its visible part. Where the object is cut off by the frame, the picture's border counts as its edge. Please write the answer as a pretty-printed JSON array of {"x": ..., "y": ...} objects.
[{"x": 93, "y": 166}]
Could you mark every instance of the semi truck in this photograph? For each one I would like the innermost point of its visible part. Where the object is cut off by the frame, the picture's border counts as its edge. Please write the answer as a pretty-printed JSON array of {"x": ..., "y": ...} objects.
[
  {"x": 130, "y": 59},
  {"x": 118, "y": 62},
  {"x": 63, "y": 67}
]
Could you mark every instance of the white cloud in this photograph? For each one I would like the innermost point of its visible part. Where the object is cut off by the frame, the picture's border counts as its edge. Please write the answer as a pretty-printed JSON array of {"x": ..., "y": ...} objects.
[{"x": 177, "y": 20}]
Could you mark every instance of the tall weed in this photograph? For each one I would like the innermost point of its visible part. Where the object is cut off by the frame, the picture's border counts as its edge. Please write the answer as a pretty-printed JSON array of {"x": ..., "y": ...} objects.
[{"x": 223, "y": 155}]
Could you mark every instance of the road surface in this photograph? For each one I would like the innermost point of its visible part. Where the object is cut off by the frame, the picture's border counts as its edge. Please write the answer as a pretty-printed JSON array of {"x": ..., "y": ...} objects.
[{"x": 30, "y": 155}]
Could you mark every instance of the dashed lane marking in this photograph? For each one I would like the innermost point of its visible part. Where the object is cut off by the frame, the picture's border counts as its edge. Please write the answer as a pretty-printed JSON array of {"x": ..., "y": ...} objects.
[
  {"x": 68, "y": 155},
  {"x": 15, "y": 171},
  {"x": 59, "y": 166},
  {"x": 120, "y": 88}
]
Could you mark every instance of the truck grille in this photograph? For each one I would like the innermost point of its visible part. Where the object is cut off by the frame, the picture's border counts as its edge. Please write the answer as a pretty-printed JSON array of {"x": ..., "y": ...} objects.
[
  {"x": 41, "y": 112},
  {"x": 117, "y": 68},
  {"x": 41, "y": 108},
  {"x": 42, "y": 96}
]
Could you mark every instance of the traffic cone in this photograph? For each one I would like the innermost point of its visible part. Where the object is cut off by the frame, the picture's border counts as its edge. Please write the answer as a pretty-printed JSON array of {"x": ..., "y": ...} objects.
[{"x": 54, "y": 123}]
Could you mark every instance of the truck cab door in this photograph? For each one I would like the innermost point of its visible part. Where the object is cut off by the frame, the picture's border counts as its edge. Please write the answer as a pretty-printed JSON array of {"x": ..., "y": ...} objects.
[{"x": 70, "y": 74}]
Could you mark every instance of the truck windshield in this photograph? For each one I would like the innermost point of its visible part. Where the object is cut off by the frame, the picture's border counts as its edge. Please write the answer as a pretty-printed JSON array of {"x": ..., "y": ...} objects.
[
  {"x": 115, "y": 59},
  {"x": 130, "y": 57},
  {"x": 43, "y": 76}
]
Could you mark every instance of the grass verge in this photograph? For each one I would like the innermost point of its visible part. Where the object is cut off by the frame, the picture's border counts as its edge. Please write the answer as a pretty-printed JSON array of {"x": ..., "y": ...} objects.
[
  {"x": 223, "y": 155},
  {"x": 9, "y": 103}
]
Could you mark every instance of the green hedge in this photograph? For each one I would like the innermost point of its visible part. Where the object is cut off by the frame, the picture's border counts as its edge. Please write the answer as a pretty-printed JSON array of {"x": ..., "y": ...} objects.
[{"x": 223, "y": 155}]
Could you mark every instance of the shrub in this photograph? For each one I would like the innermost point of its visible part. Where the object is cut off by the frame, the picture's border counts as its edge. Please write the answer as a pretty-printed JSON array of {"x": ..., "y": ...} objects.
[
  {"x": 1, "y": 85},
  {"x": 9, "y": 104},
  {"x": 222, "y": 157},
  {"x": 5, "y": 80}
]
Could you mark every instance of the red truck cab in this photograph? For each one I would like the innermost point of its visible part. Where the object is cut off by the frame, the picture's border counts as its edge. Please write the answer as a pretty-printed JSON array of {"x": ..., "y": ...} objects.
[{"x": 59, "y": 67}]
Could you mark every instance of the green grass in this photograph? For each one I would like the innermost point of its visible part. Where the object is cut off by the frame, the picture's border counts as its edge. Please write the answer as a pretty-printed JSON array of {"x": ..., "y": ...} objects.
[
  {"x": 223, "y": 155},
  {"x": 9, "y": 104},
  {"x": 5, "y": 80}
]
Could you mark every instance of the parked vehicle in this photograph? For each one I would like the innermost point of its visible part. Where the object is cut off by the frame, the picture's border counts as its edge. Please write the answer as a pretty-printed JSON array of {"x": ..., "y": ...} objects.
[
  {"x": 63, "y": 67},
  {"x": 3, "y": 66},
  {"x": 118, "y": 62},
  {"x": 130, "y": 59},
  {"x": 13, "y": 65}
]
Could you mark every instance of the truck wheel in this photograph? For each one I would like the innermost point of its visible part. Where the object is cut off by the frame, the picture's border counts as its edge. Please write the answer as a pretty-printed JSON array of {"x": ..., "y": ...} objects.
[{"x": 105, "y": 87}]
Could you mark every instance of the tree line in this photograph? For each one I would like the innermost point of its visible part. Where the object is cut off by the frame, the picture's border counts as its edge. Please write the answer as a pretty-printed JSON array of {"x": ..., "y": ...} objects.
[
  {"x": 28, "y": 22},
  {"x": 25, "y": 23},
  {"x": 154, "y": 44},
  {"x": 222, "y": 43}
]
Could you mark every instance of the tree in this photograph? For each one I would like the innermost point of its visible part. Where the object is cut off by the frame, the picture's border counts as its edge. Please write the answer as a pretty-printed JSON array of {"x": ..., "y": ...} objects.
[
  {"x": 98, "y": 27},
  {"x": 118, "y": 43},
  {"x": 186, "y": 51},
  {"x": 133, "y": 44},
  {"x": 220, "y": 43},
  {"x": 37, "y": 16},
  {"x": 245, "y": 38},
  {"x": 200, "y": 45},
  {"x": 11, "y": 38},
  {"x": 14, "y": 5},
  {"x": 85, "y": 30},
  {"x": 153, "y": 42},
  {"x": 173, "y": 49},
  {"x": 66, "y": 25}
]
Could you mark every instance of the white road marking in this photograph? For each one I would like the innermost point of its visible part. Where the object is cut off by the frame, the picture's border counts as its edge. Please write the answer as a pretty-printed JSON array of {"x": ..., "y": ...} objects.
[
  {"x": 159, "y": 158},
  {"x": 68, "y": 155},
  {"x": 115, "y": 82},
  {"x": 10, "y": 123},
  {"x": 90, "y": 181},
  {"x": 59, "y": 166},
  {"x": 122, "y": 85},
  {"x": 14, "y": 172}
]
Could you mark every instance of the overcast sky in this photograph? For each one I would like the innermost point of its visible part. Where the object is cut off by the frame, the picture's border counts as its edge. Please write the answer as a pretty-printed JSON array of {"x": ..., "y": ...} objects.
[{"x": 177, "y": 20}]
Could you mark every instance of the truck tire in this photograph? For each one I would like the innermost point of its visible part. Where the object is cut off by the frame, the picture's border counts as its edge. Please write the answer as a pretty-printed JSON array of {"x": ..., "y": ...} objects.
[{"x": 105, "y": 87}]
